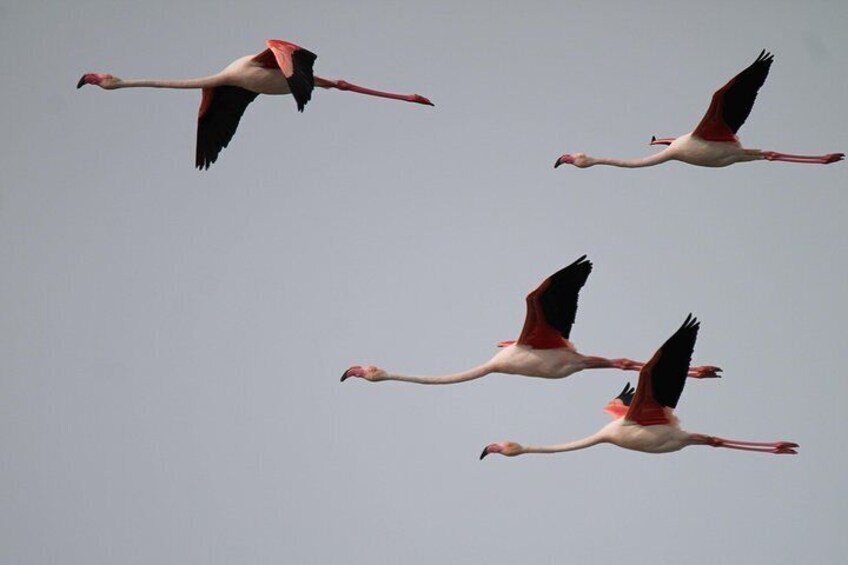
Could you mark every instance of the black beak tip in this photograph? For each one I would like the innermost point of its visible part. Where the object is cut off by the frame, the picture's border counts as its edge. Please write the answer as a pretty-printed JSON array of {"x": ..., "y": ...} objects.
[
  {"x": 81, "y": 82},
  {"x": 557, "y": 163},
  {"x": 482, "y": 455},
  {"x": 653, "y": 138},
  {"x": 344, "y": 376}
]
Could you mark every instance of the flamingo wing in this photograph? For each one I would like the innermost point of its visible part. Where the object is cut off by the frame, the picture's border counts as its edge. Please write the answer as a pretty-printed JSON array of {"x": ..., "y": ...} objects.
[
  {"x": 221, "y": 109},
  {"x": 552, "y": 307},
  {"x": 295, "y": 63},
  {"x": 732, "y": 103},
  {"x": 662, "y": 378},
  {"x": 618, "y": 406}
]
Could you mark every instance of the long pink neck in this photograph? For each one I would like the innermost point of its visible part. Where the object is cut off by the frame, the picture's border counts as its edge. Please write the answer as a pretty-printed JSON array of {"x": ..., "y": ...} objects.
[
  {"x": 204, "y": 82},
  {"x": 594, "y": 439},
  {"x": 649, "y": 161},
  {"x": 468, "y": 375}
]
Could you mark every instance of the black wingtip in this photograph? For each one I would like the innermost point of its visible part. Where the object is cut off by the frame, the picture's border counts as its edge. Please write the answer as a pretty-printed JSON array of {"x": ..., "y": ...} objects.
[
  {"x": 626, "y": 394},
  {"x": 580, "y": 261},
  {"x": 690, "y": 322},
  {"x": 581, "y": 266},
  {"x": 765, "y": 57},
  {"x": 302, "y": 81}
]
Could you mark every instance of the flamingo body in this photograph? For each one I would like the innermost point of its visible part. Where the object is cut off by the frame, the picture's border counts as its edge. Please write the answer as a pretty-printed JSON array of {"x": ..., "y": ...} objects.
[
  {"x": 694, "y": 150},
  {"x": 661, "y": 438},
  {"x": 558, "y": 363},
  {"x": 255, "y": 76}
]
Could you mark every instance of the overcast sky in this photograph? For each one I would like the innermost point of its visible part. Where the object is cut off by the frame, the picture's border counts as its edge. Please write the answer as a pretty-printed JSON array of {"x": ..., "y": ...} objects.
[{"x": 171, "y": 340}]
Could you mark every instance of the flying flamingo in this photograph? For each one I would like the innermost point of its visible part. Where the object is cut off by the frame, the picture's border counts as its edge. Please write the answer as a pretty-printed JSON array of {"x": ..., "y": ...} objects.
[
  {"x": 645, "y": 421},
  {"x": 282, "y": 68},
  {"x": 714, "y": 142},
  {"x": 543, "y": 349}
]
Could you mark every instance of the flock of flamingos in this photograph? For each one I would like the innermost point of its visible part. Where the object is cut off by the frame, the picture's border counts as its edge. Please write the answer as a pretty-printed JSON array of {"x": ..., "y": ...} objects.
[{"x": 643, "y": 418}]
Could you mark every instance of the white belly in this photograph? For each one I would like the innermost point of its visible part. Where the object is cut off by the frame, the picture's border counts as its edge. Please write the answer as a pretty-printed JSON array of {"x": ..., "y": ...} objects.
[
  {"x": 648, "y": 439},
  {"x": 248, "y": 74},
  {"x": 697, "y": 151},
  {"x": 545, "y": 363}
]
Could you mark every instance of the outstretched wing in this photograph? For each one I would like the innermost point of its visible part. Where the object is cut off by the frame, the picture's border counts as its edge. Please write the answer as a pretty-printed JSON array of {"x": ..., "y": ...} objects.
[
  {"x": 732, "y": 103},
  {"x": 221, "y": 109},
  {"x": 662, "y": 378},
  {"x": 617, "y": 407},
  {"x": 295, "y": 63},
  {"x": 552, "y": 307}
]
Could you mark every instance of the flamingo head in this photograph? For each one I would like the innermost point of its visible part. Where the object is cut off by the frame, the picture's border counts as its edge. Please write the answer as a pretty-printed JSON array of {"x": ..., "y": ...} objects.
[
  {"x": 508, "y": 448},
  {"x": 367, "y": 372},
  {"x": 577, "y": 159},
  {"x": 102, "y": 80}
]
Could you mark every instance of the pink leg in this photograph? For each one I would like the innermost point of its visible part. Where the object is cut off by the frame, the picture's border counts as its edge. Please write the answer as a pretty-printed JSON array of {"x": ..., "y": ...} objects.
[
  {"x": 344, "y": 85},
  {"x": 784, "y": 447},
  {"x": 775, "y": 450},
  {"x": 705, "y": 372},
  {"x": 822, "y": 159},
  {"x": 627, "y": 364},
  {"x": 593, "y": 362},
  {"x": 758, "y": 443},
  {"x": 702, "y": 372}
]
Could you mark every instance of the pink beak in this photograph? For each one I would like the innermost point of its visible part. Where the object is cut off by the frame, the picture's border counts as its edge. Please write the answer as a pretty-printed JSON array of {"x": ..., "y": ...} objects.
[
  {"x": 567, "y": 159},
  {"x": 491, "y": 448},
  {"x": 355, "y": 371},
  {"x": 89, "y": 78}
]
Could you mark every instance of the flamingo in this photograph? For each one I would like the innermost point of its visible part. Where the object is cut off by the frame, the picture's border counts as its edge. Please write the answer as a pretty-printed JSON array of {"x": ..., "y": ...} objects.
[
  {"x": 714, "y": 142},
  {"x": 543, "y": 349},
  {"x": 282, "y": 68},
  {"x": 644, "y": 420}
]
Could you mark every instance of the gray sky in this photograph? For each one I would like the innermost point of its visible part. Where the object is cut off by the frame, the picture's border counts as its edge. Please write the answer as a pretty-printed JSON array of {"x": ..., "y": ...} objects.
[{"x": 171, "y": 341}]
